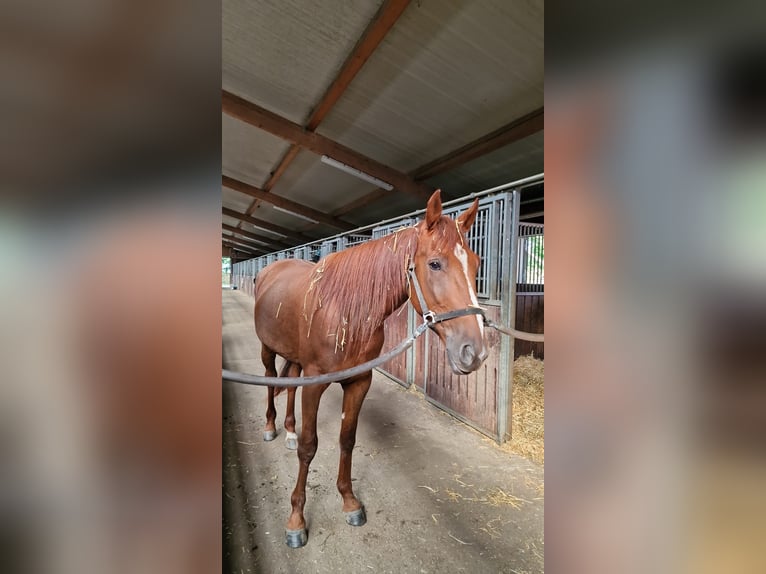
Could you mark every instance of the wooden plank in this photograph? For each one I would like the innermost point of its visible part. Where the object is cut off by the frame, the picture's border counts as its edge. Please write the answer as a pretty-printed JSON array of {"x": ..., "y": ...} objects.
[
  {"x": 285, "y": 203},
  {"x": 286, "y": 160},
  {"x": 473, "y": 396},
  {"x": 530, "y": 317},
  {"x": 282, "y": 166},
  {"x": 262, "y": 118}
]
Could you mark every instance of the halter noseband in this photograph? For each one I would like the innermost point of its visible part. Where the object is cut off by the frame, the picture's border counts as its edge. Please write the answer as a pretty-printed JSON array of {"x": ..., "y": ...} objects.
[{"x": 429, "y": 317}]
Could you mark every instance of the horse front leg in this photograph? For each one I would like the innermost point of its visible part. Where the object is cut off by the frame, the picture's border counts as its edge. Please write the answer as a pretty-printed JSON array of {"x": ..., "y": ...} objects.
[
  {"x": 353, "y": 396},
  {"x": 295, "y": 532}
]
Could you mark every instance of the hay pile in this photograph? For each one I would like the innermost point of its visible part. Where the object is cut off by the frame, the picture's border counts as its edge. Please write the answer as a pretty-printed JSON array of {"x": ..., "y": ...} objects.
[{"x": 528, "y": 424}]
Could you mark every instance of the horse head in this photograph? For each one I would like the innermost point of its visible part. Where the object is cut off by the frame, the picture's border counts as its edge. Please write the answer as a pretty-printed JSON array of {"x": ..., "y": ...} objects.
[{"x": 446, "y": 270}]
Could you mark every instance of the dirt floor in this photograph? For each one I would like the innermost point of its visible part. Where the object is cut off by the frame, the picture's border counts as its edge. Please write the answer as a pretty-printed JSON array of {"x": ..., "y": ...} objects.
[{"x": 439, "y": 496}]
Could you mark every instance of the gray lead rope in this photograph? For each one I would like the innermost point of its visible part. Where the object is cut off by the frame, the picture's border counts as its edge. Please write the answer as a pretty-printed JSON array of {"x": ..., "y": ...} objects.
[
  {"x": 429, "y": 320},
  {"x": 329, "y": 377}
]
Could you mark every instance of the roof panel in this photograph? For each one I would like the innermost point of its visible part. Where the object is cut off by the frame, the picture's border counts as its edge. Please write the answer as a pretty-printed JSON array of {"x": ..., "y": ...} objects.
[
  {"x": 249, "y": 154},
  {"x": 515, "y": 161},
  {"x": 320, "y": 186},
  {"x": 229, "y": 220},
  {"x": 283, "y": 55},
  {"x": 235, "y": 200},
  {"x": 268, "y": 212},
  {"x": 446, "y": 74}
]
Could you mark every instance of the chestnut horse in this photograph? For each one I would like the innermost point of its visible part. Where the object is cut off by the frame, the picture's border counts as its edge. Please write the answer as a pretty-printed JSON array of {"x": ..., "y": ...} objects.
[{"x": 329, "y": 316}]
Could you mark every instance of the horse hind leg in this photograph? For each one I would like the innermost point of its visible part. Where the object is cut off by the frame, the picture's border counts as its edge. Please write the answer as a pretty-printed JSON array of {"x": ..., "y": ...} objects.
[
  {"x": 291, "y": 438},
  {"x": 268, "y": 357},
  {"x": 353, "y": 396}
]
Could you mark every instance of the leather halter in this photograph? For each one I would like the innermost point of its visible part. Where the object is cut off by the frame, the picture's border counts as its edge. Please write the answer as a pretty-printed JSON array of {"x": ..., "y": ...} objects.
[{"x": 429, "y": 317}]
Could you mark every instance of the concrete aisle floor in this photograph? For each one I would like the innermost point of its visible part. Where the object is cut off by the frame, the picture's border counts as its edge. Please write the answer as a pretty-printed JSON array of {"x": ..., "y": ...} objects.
[{"x": 439, "y": 496}]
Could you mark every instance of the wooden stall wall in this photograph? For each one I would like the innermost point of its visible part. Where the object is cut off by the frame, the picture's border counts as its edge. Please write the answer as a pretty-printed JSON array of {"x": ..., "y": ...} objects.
[
  {"x": 472, "y": 397},
  {"x": 530, "y": 318},
  {"x": 397, "y": 330}
]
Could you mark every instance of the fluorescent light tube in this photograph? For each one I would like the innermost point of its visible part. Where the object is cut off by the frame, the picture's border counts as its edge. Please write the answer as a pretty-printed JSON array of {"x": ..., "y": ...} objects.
[
  {"x": 356, "y": 173},
  {"x": 283, "y": 210}
]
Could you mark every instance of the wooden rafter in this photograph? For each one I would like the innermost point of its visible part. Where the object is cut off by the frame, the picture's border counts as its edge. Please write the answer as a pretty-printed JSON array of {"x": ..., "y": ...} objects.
[
  {"x": 518, "y": 129},
  {"x": 370, "y": 39},
  {"x": 262, "y": 239},
  {"x": 245, "y": 243},
  {"x": 376, "y": 195},
  {"x": 285, "y": 203},
  {"x": 233, "y": 245},
  {"x": 377, "y": 29},
  {"x": 268, "y": 226},
  {"x": 262, "y": 118}
]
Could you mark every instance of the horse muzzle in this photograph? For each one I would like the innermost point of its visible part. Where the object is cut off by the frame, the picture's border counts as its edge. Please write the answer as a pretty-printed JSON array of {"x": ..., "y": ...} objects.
[{"x": 465, "y": 358}]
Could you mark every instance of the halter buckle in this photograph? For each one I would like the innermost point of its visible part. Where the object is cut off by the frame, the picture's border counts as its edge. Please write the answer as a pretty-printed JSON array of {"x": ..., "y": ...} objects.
[{"x": 429, "y": 317}]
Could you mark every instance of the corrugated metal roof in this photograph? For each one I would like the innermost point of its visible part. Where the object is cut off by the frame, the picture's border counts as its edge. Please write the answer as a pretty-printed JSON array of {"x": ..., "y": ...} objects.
[
  {"x": 446, "y": 74},
  {"x": 283, "y": 55},
  {"x": 514, "y": 161},
  {"x": 322, "y": 187},
  {"x": 249, "y": 154},
  {"x": 235, "y": 200}
]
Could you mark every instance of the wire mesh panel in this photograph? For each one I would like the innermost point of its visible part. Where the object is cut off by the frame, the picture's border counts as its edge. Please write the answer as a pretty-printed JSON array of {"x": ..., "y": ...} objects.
[
  {"x": 356, "y": 239},
  {"x": 384, "y": 230},
  {"x": 530, "y": 268},
  {"x": 332, "y": 246},
  {"x": 479, "y": 241},
  {"x": 307, "y": 252}
]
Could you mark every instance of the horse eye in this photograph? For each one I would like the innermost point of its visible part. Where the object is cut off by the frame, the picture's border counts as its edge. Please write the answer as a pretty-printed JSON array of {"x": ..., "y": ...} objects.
[{"x": 435, "y": 265}]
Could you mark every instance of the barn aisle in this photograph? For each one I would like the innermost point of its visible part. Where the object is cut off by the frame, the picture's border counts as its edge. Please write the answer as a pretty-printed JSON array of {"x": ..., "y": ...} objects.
[{"x": 439, "y": 496}]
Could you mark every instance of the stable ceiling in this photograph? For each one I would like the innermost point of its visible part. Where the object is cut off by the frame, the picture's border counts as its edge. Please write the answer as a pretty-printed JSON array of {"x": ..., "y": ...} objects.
[{"x": 420, "y": 94}]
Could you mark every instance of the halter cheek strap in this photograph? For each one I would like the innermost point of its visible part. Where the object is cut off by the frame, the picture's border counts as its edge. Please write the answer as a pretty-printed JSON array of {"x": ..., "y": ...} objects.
[{"x": 429, "y": 316}]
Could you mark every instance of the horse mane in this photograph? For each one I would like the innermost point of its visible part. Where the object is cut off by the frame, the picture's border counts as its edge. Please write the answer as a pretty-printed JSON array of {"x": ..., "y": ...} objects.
[{"x": 359, "y": 287}]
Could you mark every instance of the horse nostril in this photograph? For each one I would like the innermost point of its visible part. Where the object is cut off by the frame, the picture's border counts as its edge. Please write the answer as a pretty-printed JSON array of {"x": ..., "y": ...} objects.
[{"x": 467, "y": 354}]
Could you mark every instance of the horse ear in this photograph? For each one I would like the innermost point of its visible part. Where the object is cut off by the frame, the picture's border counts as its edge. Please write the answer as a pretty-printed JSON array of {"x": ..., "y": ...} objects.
[
  {"x": 467, "y": 218},
  {"x": 434, "y": 209}
]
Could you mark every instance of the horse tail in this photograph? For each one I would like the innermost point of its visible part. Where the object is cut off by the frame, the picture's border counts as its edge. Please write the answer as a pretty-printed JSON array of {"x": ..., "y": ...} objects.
[{"x": 283, "y": 373}]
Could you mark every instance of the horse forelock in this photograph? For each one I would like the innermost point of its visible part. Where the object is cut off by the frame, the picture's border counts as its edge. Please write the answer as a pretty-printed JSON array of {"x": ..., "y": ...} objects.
[
  {"x": 446, "y": 234},
  {"x": 357, "y": 288}
]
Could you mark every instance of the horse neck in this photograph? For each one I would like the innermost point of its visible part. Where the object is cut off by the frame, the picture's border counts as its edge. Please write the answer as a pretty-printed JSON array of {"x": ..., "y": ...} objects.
[
  {"x": 362, "y": 286},
  {"x": 396, "y": 251}
]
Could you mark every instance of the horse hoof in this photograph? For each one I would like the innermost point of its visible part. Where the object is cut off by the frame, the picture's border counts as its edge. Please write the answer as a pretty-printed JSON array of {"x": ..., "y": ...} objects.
[
  {"x": 291, "y": 440},
  {"x": 269, "y": 435},
  {"x": 356, "y": 517},
  {"x": 296, "y": 538}
]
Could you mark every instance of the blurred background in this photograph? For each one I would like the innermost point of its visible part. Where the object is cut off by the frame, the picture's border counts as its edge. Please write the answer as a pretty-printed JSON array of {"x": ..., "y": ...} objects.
[
  {"x": 110, "y": 305},
  {"x": 656, "y": 133},
  {"x": 109, "y": 298}
]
